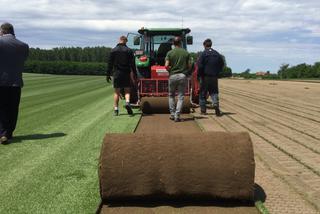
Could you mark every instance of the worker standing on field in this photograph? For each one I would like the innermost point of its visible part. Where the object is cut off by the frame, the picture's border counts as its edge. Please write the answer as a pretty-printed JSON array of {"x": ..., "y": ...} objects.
[
  {"x": 13, "y": 54},
  {"x": 121, "y": 65},
  {"x": 210, "y": 65},
  {"x": 178, "y": 64}
]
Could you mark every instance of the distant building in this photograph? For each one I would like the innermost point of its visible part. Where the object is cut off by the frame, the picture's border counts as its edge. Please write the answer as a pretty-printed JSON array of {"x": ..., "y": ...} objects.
[{"x": 262, "y": 73}]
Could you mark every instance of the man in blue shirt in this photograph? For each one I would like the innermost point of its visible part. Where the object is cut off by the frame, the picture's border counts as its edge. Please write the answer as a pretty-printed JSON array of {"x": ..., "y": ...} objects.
[
  {"x": 13, "y": 54},
  {"x": 210, "y": 65}
]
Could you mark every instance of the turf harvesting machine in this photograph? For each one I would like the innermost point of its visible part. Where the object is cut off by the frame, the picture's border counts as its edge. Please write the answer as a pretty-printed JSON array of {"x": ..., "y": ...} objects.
[{"x": 150, "y": 47}]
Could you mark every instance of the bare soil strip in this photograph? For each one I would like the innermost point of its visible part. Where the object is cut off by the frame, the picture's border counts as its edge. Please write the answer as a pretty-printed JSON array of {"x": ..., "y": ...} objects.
[
  {"x": 283, "y": 119},
  {"x": 161, "y": 124}
]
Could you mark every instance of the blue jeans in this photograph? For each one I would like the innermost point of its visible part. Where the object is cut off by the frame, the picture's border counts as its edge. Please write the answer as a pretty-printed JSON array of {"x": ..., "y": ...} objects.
[
  {"x": 177, "y": 82},
  {"x": 208, "y": 85}
]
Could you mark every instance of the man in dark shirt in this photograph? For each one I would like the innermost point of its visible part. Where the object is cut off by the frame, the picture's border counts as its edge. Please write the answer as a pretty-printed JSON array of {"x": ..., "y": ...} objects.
[
  {"x": 210, "y": 64},
  {"x": 121, "y": 65},
  {"x": 13, "y": 54}
]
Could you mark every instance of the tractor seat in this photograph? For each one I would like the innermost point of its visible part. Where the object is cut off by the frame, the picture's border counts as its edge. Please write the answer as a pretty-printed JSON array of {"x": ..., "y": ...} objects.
[{"x": 163, "y": 49}]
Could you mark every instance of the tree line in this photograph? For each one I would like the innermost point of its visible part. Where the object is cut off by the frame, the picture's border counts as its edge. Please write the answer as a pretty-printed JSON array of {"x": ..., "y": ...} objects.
[
  {"x": 300, "y": 71},
  {"x": 77, "y": 60},
  {"x": 71, "y": 54}
]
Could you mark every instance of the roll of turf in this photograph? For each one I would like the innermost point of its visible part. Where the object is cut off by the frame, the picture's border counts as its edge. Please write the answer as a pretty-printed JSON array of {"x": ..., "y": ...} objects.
[
  {"x": 153, "y": 105},
  {"x": 196, "y": 166}
]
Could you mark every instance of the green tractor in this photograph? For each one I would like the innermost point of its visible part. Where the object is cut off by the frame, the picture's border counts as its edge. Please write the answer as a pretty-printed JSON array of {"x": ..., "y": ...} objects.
[{"x": 151, "y": 46}]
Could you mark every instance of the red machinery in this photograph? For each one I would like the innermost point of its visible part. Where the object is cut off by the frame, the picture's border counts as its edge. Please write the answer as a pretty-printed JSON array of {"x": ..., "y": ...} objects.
[
  {"x": 151, "y": 47},
  {"x": 154, "y": 91}
]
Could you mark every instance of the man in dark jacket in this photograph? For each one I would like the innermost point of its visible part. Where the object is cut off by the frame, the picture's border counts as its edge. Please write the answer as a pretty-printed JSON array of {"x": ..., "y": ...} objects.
[
  {"x": 210, "y": 64},
  {"x": 13, "y": 54},
  {"x": 121, "y": 66}
]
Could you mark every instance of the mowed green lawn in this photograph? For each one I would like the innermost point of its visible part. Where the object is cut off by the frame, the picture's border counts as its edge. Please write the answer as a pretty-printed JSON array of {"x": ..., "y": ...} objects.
[{"x": 51, "y": 166}]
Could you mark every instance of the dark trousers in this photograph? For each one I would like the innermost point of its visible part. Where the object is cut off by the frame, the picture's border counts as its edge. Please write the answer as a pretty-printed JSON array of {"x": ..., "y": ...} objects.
[
  {"x": 9, "y": 108},
  {"x": 208, "y": 85}
]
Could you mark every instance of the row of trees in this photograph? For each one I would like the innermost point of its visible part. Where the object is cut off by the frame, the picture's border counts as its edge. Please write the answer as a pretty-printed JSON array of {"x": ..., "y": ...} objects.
[
  {"x": 64, "y": 67},
  {"x": 73, "y": 54},
  {"x": 76, "y": 60},
  {"x": 299, "y": 71}
]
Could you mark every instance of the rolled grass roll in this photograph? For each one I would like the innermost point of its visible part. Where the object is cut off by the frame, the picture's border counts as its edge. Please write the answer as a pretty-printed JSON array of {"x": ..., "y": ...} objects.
[
  {"x": 160, "y": 105},
  {"x": 191, "y": 166}
]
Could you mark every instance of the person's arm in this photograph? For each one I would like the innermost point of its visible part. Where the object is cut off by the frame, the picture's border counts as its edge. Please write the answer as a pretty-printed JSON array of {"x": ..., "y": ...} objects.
[
  {"x": 110, "y": 66},
  {"x": 167, "y": 61},
  {"x": 27, "y": 52},
  {"x": 200, "y": 65},
  {"x": 133, "y": 73},
  {"x": 221, "y": 63},
  {"x": 132, "y": 62},
  {"x": 189, "y": 65}
]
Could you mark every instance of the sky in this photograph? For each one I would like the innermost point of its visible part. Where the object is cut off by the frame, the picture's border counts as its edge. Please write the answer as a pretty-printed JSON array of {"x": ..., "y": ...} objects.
[{"x": 259, "y": 35}]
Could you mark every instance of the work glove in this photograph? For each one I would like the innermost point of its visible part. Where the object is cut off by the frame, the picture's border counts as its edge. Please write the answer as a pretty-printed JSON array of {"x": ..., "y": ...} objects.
[{"x": 108, "y": 78}]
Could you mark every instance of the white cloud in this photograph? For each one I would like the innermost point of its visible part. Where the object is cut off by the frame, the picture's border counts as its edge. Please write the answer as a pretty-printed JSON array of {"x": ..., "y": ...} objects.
[{"x": 283, "y": 30}]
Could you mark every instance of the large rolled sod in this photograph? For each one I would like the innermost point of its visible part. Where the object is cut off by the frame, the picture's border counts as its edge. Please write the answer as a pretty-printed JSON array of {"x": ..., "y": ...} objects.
[
  {"x": 160, "y": 105},
  {"x": 168, "y": 166}
]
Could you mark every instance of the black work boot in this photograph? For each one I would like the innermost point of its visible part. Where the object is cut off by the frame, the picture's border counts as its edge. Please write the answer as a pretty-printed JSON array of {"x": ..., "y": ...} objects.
[
  {"x": 203, "y": 110},
  {"x": 217, "y": 110},
  {"x": 177, "y": 119},
  {"x": 129, "y": 109}
]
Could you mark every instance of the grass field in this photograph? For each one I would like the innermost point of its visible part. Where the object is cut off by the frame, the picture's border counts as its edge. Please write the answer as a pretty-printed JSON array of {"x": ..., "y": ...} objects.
[{"x": 51, "y": 166}]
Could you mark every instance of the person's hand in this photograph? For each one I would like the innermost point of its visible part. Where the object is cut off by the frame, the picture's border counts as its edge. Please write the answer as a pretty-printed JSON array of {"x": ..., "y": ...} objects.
[{"x": 108, "y": 79}]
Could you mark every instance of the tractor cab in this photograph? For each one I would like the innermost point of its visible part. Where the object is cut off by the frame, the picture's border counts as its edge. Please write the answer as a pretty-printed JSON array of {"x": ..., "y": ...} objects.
[{"x": 152, "y": 45}]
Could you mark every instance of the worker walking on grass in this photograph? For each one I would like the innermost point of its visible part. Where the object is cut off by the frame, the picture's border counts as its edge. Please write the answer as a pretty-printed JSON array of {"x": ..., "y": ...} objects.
[
  {"x": 178, "y": 63},
  {"x": 13, "y": 54},
  {"x": 121, "y": 66},
  {"x": 210, "y": 65}
]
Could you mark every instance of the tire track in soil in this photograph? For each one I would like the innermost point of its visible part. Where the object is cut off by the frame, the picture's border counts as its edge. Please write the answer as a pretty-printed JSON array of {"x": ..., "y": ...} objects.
[
  {"x": 291, "y": 148},
  {"x": 290, "y": 170},
  {"x": 262, "y": 152},
  {"x": 286, "y": 109},
  {"x": 296, "y": 152},
  {"x": 301, "y": 126},
  {"x": 274, "y": 99},
  {"x": 255, "y": 115},
  {"x": 311, "y": 141}
]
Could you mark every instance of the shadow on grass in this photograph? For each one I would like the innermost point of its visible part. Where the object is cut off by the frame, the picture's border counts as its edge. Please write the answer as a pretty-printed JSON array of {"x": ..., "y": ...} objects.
[
  {"x": 22, "y": 138},
  {"x": 259, "y": 195},
  {"x": 126, "y": 114}
]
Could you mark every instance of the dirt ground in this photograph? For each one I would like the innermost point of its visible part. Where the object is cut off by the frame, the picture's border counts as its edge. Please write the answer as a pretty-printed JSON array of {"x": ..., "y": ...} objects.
[
  {"x": 162, "y": 124},
  {"x": 283, "y": 119}
]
